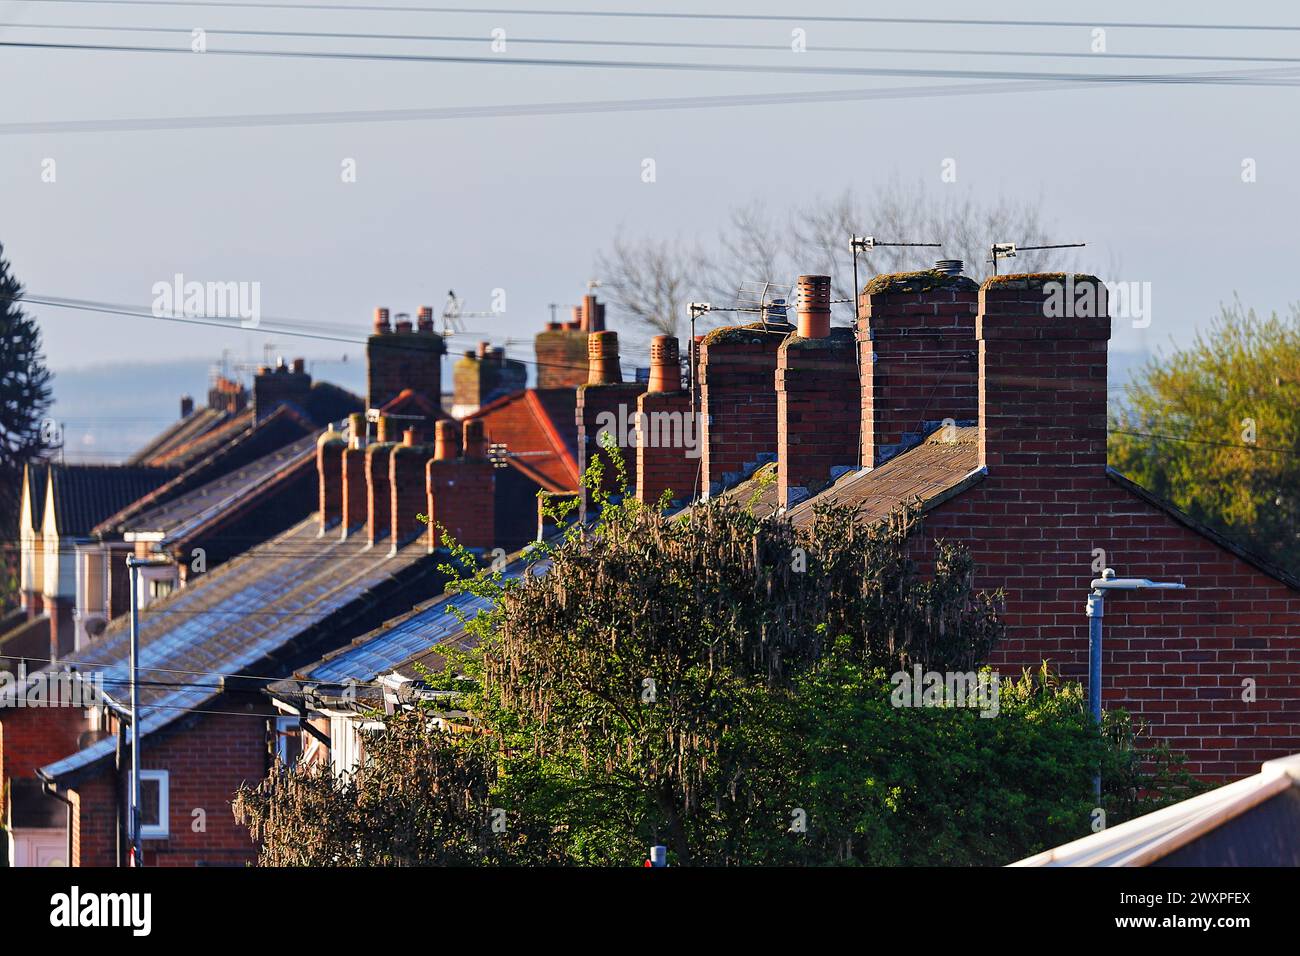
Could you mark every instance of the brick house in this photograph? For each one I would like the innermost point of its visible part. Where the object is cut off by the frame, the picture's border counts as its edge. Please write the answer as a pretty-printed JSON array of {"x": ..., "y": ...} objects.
[
  {"x": 208, "y": 649},
  {"x": 991, "y": 416}
]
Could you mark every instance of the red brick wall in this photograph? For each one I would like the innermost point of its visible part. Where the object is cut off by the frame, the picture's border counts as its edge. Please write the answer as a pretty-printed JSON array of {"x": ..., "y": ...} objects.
[
  {"x": 1035, "y": 523},
  {"x": 737, "y": 375},
  {"x": 918, "y": 358},
  {"x": 32, "y": 737},
  {"x": 461, "y": 497},
  {"x": 665, "y": 467},
  {"x": 206, "y": 762},
  {"x": 593, "y": 401},
  {"x": 818, "y": 395}
]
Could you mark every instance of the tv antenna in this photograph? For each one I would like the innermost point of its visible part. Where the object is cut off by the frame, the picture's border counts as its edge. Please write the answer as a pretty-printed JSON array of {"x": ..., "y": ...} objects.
[
  {"x": 859, "y": 244},
  {"x": 452, "y": 313},
  {"x": 1008, "y": 250}
]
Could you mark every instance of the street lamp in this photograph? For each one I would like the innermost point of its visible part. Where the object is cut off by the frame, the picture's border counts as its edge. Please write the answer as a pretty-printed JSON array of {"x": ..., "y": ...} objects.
[{"x": 1095, "y": 609}]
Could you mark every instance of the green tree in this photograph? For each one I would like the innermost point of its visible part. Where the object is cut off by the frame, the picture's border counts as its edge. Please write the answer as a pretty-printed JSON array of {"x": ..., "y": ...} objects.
[
  {"x": 719, "y": 682},
  {"x": 24, "y": 399},
  {"x": 1215, "y": 429}
]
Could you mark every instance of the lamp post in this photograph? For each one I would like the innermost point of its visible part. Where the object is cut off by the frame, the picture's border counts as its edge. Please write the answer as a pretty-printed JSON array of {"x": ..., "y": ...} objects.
[{"x": 1095, "y": 610}]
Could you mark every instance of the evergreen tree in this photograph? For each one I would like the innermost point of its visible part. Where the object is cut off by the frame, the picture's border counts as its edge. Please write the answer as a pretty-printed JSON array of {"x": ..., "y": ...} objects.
[{"x": 24, "y": 400}]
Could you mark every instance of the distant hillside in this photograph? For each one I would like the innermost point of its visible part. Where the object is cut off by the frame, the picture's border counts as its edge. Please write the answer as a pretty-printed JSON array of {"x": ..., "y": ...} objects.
[{"x": 108, "y": 411}]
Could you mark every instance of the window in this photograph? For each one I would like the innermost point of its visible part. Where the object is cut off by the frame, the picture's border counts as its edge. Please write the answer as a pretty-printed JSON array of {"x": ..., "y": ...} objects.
[
  {"x": 160, "y": 587},
  {"x": 288, "y": 740},
  {"x": 153, "y": 804}
]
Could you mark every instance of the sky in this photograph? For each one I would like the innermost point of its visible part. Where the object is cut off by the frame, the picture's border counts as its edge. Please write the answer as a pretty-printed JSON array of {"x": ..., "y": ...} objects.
[{"x": 1150, "y": 176}]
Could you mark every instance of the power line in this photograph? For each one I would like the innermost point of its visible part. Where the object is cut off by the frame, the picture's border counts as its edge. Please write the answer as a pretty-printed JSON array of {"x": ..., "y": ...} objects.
[
  {"x": 108, "y": 308},
  {"x": 674, "y": 15},
  {"x": 1227, "y": 78},
  {"x": 560, "y": 108},
  {"x": 663, "y": 44}
]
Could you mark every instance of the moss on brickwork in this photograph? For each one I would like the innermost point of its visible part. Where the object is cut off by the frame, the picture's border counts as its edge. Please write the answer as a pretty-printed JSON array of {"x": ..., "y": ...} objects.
[
  {"x": 1029, "y": 280},
  {"x": 752, "y": 333},
  {"x": 841, "y": 337},
  {"x": 927, "y": 280}
]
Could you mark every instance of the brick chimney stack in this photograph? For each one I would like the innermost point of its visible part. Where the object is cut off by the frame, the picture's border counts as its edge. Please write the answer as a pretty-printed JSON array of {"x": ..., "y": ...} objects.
[
  {"x": 818, "y": 398},
  {"x": 330, "y": 448},
  {"x": 275, "y": 387},
  {"x": 378, "y": 471},
  {"x": 483, "y": 376},
  {"x": 425, "y": 319},
  {"x": 1042, "y": 378},
  {"x": 408, "y": 488},
  {"x": 561, "y": 348},
  {"x": 461, "y": 490},
  {"x": 737, "y": 401},
  {"x": 668, "y": 440},
  {"x": 918, "y": 357},
  {"x": 187, "y": 406},
  {"x": 355, "y": 505},
  {"x": 606, "y": 402},
  {"x": 407, "y": 357}
]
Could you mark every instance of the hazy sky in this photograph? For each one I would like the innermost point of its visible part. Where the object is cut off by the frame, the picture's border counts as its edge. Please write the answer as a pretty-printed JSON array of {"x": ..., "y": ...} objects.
[{"x": 1149, "y": 176}]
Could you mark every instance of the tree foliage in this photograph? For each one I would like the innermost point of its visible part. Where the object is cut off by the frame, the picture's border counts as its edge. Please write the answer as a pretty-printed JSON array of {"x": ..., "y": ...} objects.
[
  {"x": 24, "y": 399},
  {"x": 717, "y": 681},
  {"x": 1226, "y": 411}
]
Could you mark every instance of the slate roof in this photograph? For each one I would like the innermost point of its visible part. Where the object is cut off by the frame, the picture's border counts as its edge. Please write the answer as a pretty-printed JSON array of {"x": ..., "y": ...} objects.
[
  {"x": 197, "y": 435},
  {"x": 184, "y": 514},
  {"x": 758, "y": 492},
  {"x": 327, "y": 403},
  {"x": 178, "y": 433},
  {"x": 282, "y": 427},
  {"x": 930, "y": 472},
  {"x": 86, "y": 494},
  {"x": 239, "y": 619},
  {"x": 27, "y": 640},
  {"x": 403, "y": 644}
]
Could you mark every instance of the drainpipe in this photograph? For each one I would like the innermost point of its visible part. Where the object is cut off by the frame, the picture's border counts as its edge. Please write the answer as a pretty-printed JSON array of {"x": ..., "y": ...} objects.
[
  {"x": 51, "y": 788},
  {"x": 1095, "y": 610}
]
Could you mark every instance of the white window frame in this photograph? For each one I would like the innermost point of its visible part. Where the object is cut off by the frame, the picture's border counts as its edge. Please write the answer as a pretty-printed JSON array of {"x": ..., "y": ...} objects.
[{"x": 159, "y": 832}]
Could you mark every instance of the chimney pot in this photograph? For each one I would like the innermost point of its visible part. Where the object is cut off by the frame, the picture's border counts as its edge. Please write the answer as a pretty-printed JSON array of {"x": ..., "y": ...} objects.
[
  {"x": 299, "y": 366},
  {"x": 665, "y": 364},
  {"x": 483, "y": 349},
  {"x": 403, "y": 324},
  {"x": 187, "y": 406},
  {"x": 426, "y": 318},
  {"x": 356, "y": 430},
  {"x": 949, "y": 267},
  {"x": 383, "y": 431},
  {"x": 475, "y": 438},
  {"x": 381, "y": 321},
  {"x": 814, "y": 307},
  {"x": 602, "y": 359},
  {"x": 446, "y": 444}
]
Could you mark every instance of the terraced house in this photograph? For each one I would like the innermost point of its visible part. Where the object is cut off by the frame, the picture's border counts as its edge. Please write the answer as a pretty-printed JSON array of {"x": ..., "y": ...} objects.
[
  {"x": 312, "y": 534},
  {"x": 970, "y": 402}
]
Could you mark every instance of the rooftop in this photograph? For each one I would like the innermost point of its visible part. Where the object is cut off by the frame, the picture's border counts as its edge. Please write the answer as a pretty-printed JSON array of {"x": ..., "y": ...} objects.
[{"x": 238, "y": 619}]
